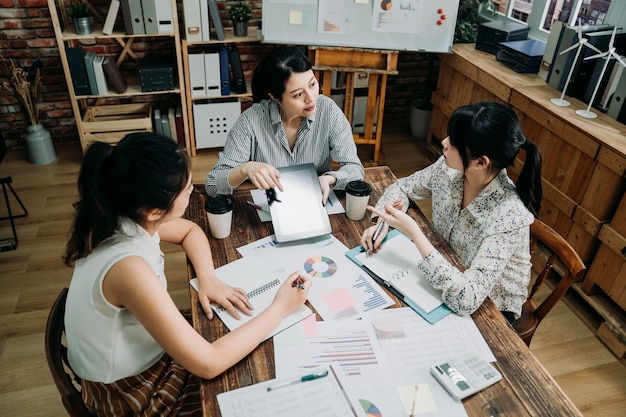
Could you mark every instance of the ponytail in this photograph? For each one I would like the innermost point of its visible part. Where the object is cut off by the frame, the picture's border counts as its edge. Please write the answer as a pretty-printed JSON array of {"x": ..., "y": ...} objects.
[
  {"x": 94, "y": 220},
  {"x": 529, "y": 180},
  {"x": 144, "y": 171}
]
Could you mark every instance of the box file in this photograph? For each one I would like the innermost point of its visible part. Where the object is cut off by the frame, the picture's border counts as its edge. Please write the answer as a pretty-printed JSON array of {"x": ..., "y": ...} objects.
[
  {"x": 78, "y": 71},
  {"x": 194, "y": 29},
  {"x": 197, "y": 80},
  {"x": 150, "y": 23},
  {"x": 490, "y": 34},
  {"x": 224, "y": 71},
  {"x": 164, "y": 16},
  {"x": 212, "y": 74}
]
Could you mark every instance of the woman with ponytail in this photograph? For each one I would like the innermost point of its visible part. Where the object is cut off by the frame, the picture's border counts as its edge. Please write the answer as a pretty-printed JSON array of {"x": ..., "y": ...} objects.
[
  {"x": 477, "y": 209},
  {"x": 134, "y": 351}
]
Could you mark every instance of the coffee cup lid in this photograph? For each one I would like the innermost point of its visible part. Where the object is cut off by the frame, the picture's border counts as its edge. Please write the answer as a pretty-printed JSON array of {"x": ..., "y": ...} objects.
[
  {"x": 358, "y": 188},
  {"x": 218, "y": 205}
]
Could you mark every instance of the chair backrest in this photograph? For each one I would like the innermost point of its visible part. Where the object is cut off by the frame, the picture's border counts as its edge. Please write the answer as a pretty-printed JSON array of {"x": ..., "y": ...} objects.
[
  {"x": 56, "y": 353},
  {"x": 546, "y": 242}
]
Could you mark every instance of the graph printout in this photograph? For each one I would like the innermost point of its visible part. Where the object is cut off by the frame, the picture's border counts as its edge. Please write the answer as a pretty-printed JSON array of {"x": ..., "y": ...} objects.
[{"x": 340, "y": 288}]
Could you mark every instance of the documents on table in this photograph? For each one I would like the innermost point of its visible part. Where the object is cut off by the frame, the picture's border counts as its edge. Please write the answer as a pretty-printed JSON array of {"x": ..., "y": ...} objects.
[
  {"x": 340, "y": 288},
  {"x": 320, "y": 397},
  {"x": 395, "y": 266},
  {"x": 261, "y": 287}
]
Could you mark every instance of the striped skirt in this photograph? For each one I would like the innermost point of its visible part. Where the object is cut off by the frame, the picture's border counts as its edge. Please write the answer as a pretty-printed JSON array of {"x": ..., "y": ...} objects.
[{"x": 165, "y": 389}]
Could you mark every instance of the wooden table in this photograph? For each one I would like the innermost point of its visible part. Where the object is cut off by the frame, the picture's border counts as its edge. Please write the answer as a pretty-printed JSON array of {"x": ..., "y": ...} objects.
[{"x": 527, "y": 389}]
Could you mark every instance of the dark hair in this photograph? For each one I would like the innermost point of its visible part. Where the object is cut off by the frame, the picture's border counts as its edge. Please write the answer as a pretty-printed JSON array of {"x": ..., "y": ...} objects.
[
  {"x": 493, "y": 129},
  {"x": 271, "y": 75},
  {"x": 144, "y": 171}
]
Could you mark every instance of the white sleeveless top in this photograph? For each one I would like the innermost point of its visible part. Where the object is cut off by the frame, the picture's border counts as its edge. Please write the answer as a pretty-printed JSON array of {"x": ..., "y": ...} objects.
[{"x": 107, "y": 343}]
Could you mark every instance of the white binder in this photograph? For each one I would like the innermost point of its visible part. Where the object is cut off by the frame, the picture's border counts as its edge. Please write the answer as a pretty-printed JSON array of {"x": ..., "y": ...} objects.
[
  {"x": 99, "y": 73},
  {"x": 164, "y": 15},
  {"x": 197, "y": 80},
  {"x": 204, "y": 19},
  {"x": 212, "y": 74},
  {"x": 149, "y": 16},
  {"x": 194, "y": 31}
]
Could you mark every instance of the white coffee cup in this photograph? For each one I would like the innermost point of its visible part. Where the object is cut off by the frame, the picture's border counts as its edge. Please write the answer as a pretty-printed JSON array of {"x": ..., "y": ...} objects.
[
  {"x": 357, "y": 197},
  {"x": 219, "y": 211}
]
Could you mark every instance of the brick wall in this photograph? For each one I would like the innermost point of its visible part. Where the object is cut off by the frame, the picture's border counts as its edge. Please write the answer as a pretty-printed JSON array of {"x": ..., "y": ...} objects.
[{"x": 26, "y": 34}]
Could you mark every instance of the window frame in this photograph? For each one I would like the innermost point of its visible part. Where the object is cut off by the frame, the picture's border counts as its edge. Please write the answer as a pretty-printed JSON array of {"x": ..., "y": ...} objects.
[{"x": 616, "y": 15}]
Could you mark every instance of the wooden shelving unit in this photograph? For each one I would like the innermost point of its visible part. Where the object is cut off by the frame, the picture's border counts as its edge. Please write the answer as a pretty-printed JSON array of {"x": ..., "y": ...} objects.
[
  {"x": 82, "y": 105},
  {"x": 229, "y": 38}
]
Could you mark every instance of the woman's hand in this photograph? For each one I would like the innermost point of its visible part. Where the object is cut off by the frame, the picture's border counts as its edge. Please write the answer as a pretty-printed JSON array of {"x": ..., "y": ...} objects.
[
  {"x": 367, "y": 240},
  {"x": 217, "y": 291},
  {"x": 262, "y": 175},
  {"x": 326, "y": 181},
  {"x": 293, "y": 293},
  {"x": 397, "y": 218}
]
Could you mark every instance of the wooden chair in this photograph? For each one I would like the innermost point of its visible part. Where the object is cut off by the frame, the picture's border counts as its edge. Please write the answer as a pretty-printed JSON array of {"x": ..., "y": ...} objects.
[
  {"x": 546, "y": 241},
  {"x": 66, "y": 381}
]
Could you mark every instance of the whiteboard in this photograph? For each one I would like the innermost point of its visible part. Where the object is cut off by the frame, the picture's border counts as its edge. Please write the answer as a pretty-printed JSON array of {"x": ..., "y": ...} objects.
[{"x": 402, "y": 25}]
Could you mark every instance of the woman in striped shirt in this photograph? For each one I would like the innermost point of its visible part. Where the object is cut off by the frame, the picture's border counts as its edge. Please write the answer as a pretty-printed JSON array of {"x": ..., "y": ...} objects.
[{"x": 289, "y": 124}]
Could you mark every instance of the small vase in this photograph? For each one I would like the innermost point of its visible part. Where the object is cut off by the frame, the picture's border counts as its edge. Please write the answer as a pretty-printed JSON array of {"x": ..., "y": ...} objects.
[
  {"x": 83, "y": 25},
  {"x": 240, "y": 29},
  {"x": 39, "y": 145}
]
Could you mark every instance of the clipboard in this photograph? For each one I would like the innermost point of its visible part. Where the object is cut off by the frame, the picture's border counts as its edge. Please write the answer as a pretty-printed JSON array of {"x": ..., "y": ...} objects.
[
  {"x": 432, "y": 317},
  {"x": 297, "y": 211}
]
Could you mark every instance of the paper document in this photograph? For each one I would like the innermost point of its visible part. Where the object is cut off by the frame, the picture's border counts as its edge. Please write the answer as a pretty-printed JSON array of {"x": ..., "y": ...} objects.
[
  {"x": 396, "y": 263},
  {"x": 321, "y": 397},
  {"x": 261, "y": 286}
]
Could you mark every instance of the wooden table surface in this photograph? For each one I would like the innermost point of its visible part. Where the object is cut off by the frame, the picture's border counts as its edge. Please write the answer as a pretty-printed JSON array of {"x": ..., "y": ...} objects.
[{"x": 526, "y": 389}]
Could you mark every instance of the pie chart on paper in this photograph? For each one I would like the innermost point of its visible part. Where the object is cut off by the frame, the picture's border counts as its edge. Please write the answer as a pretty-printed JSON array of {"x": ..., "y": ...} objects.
[{"x": 370, "y": 409}]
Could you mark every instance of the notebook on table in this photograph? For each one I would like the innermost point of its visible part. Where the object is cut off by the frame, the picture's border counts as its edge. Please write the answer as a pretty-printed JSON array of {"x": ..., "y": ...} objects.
[
  {"x": 395, "y": 267},
  {"x": 261, "y": 287}
]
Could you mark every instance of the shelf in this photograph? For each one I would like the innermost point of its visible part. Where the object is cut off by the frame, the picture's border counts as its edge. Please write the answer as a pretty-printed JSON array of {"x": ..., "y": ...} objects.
[
  {"x": 229, "y": 37},
  {"x": 111, "y": 122}
]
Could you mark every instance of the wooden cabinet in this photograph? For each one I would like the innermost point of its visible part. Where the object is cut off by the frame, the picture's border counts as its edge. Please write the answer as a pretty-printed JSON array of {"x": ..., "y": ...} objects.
[
  {"x": 96, "y": 117},
  {"x": 196, "y": 47},
  {"x": 584, "y": 171}
]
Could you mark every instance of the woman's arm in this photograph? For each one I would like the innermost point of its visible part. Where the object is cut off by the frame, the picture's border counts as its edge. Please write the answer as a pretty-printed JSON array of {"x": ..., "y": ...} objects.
[
  {"x": 132, "y": 284},
  {"x": 211, "y": 289},
  {"x": 343, "y": 150}
]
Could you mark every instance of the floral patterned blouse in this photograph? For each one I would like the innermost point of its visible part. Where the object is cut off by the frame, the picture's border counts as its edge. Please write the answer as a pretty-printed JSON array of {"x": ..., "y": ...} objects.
[{"x": 491, "y": 236}]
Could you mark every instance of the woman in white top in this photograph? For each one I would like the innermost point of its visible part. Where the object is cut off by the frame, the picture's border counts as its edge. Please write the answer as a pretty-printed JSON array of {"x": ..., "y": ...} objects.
[
  {"x": 134, "y": 351},
  {"x": 289, "y": 124},
  {"x": 477, "y": 209}
]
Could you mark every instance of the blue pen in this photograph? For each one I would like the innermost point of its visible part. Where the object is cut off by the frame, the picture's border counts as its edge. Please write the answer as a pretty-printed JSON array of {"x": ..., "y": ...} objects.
[{"x": 309, "y": 377}]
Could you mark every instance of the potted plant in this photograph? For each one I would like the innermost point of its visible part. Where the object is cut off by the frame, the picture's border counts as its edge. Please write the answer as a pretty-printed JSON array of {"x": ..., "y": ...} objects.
[
  {"x": 22, "y": 87},
  {"x": 83, "y": 20},
  {"x": 240, "y": 13},
  {"x": 466, "y": 29}
]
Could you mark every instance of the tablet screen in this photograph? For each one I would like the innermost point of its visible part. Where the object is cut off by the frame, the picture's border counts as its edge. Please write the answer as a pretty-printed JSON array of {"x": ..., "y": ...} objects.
[{"x": 298, "y": 212}]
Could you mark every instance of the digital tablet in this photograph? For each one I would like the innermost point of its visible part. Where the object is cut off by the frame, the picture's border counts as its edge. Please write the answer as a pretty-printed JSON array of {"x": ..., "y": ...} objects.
[{"x": 297, "y": 211}]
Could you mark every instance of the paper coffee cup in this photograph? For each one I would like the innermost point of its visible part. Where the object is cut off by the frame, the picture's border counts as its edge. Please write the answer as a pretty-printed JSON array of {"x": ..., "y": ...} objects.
[
  {"x": 219, "y": 211},
  {"x": 357, "y": 197}
]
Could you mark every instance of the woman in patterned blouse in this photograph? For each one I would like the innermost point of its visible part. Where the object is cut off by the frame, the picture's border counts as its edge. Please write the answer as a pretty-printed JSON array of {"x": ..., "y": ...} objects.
[
  {"x": 476, "y": 207},
  {"x": 289, "y": 124}
]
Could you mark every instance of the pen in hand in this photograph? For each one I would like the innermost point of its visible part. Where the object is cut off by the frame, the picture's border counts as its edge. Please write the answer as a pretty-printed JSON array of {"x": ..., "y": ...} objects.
[
  {"x": 377, "y": 232},
  {"x": 299, "y": 283},
  {"x": 309, "y": 377}
]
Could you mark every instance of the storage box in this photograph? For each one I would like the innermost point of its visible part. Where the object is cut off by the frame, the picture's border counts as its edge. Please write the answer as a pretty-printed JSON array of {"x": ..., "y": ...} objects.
[
  {"x": 213, "y": 120},
  {"x": 490, "y": 34},
  {"x": 111, "y": 123},
  {"x": 155, "y": 75}
]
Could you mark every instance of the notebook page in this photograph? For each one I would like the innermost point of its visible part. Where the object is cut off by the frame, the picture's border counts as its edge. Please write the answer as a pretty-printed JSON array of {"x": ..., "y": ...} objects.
[
  {"x": 396, "y": 262},
  {"x": 261, "y": 287}
]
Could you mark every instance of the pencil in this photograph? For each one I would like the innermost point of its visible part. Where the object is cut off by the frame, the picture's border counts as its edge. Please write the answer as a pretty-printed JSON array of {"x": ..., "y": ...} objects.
[{"x": 414, "y": 399}]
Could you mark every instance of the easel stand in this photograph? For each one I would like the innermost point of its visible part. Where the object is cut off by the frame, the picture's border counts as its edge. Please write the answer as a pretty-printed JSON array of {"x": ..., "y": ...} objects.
[
  {"x": 8, "y": 244},
  {"x": 378, "y": 64}
]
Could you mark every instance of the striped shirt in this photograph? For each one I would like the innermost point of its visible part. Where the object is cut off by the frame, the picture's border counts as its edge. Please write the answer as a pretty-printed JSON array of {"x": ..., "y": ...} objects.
[{"x": 258, "y": 135}]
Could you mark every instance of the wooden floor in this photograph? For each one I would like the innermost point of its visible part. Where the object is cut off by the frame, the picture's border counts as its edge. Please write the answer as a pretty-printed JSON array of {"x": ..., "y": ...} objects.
[{"x": 32, "y": 275}]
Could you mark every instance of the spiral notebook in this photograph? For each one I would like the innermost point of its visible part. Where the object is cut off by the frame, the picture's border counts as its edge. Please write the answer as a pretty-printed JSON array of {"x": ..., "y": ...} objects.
[
  {"x": 261, "y": 287},
  {"x": 395, "y": 267}
]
